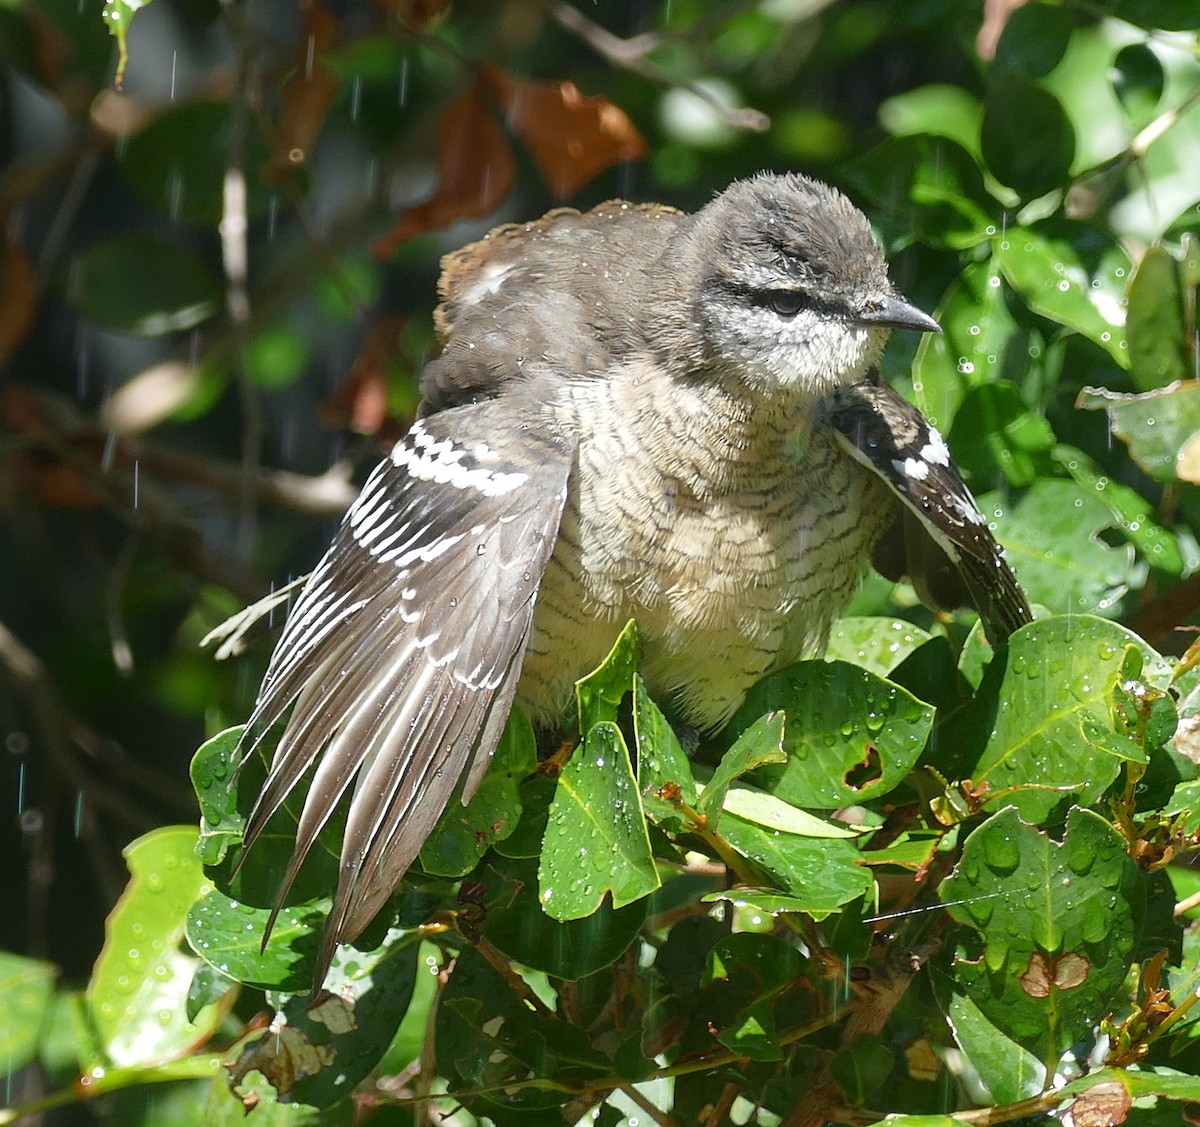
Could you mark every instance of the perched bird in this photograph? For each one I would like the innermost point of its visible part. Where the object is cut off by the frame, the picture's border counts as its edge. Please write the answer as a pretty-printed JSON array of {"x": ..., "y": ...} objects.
[{"x": 635, "y": 413}]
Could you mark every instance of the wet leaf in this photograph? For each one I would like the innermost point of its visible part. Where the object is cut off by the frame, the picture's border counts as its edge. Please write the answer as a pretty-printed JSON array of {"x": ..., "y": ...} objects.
[
  {"x": 1051, "y": 537},
  {"x": 1053, "y": 738},
  {"x": 569, "y": 949},
  {"x": 1052, "y": 281},
  {"x": 876, "y": 644},
  {"x": 1159, "y": 427},
  {"x": 1158, "y": 345},
  {"x": 596, "y": 839},
  {"x": 1138, "y": 79},
  {"x": 849, "y": 735},
  {"x": 1058, "y": 923},
  {"x": 137, "y": 994}
]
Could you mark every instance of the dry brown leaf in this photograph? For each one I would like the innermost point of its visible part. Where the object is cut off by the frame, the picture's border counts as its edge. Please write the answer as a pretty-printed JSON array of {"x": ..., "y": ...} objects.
[
  {"x": 18, "y": 294},
  {"x": 1105, "y": 1104},
  {"x": 306, "y": 96},
  {"x": 360, "y": 403},
  {"x": 475, "y": 172},
  {"x": 571, "y": 137}
]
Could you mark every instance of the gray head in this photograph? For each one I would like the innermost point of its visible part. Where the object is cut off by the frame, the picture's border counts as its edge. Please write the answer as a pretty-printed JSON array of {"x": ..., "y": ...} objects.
[{"x": 794, "y": 292}]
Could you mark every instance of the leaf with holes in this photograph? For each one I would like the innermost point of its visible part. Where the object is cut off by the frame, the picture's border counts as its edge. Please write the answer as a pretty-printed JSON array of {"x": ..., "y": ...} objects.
[
  {"x": 1056, "y": 924},
  {"x": 849, "y": 735}
]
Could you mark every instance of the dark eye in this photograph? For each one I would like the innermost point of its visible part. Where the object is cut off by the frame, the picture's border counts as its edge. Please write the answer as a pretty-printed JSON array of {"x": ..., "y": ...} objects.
[{"x": 787, "y": 303}]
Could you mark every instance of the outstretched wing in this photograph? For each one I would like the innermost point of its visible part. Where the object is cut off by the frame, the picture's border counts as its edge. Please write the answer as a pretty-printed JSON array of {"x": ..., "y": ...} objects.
[
  {"x": 939, "y": 538},
  {"x": 401, "y": 656}
]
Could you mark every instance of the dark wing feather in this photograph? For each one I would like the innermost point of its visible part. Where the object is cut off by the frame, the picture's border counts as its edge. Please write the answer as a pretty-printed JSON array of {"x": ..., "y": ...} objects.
[
  {"x": 401, "y": 657},
  {"x": 939, "y": 538}
]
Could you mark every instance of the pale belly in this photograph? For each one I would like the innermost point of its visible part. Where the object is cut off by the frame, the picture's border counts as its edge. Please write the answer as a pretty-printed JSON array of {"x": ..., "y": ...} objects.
[{"x": 724, "y": 590}]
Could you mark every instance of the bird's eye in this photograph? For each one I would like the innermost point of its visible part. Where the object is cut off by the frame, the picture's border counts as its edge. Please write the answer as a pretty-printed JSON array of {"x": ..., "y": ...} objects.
[{"x": 787, "y": 303}]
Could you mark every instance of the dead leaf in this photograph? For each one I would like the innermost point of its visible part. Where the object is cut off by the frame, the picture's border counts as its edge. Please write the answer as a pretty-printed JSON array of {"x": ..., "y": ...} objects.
[
  {"x": 1062, "y": 972},
  {"x": 306, "y": 96},
  {"x": 360, "y": 403},
  {"x": 284, "y": 1056},
  {"x": 572, "y": 138},
  {"x": 1105, "y": 1104},
  {"x": 18, "y": 295},
  {"x": 475, "y": 172}
]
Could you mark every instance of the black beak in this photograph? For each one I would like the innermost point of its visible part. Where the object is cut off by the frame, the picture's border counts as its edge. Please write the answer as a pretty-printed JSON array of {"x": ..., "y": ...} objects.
[{"x": 896, "y": 313}]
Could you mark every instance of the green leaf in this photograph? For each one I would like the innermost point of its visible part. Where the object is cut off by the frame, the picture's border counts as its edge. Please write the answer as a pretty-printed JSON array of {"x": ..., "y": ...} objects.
[
  {"x": 1159, "y": 427},
  {"x": 944, "y": 111},
  {"x": 142, "y": 285},
  {"x": 137, "y": 994},
  {"x": 600, "y": 693},
  {"x": 228, "y": 934},
  {"x": 596, "y": 839},
  {"x": 567, "y": 949},
  {"x": 876, "y": 644},
  {"x": 1053, "y": 283},
  {"x": 222, "y": 825},
  {"x": 766, "y": 810},
  {"x": 1169, "y": 15},
  {"x": 1051, "y": 538},
  {"x": 979, "y": 342},
  {"x": 26, "y": 989},
  {"x": 1034, "y": 39},
  {"x": 815, "y": 875},
  {"x": 850, "y": 736},
  {"x": 1138, "y": 80},
  {"x": 862, "y": 1068},
  {"x": 178, "y": 161},
  {"x": 662, "y": 764},
  {"x": 1130, "y": 511},
  {"x": 465, "y": 833},
  {"x": 1154, "y": 323},
  {"x": 761, "y": 743},
  {"x": 1026, "y": 138},
  {"x": 1057, "y": 922},
  {"x": 931, "y": 186},
  {"x": 1010, "y": 1072},
  {"x": 996, "y": 434},
  {"x": 1053, "y": 737}
]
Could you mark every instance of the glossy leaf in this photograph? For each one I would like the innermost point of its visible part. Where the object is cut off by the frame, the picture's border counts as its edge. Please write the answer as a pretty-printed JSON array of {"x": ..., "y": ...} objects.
[
  {"x": 1053, "y": 739},
  {"x": 1051, "y": 280},
  {"x": 136, "y": 996},
  {"x": 595, "y": 839},
  {"x": 849, "y": 735},
  {"x": 1058, "y": 923}
]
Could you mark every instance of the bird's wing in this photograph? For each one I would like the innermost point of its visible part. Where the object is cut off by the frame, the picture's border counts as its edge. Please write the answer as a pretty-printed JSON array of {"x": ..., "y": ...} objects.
[
  {"x": 401, "y": 656},
  {"x": 940, "y": 538}
]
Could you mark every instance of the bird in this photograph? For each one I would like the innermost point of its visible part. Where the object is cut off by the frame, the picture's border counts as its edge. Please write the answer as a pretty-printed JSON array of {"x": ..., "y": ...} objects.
[{"x": 635, "y": 412}]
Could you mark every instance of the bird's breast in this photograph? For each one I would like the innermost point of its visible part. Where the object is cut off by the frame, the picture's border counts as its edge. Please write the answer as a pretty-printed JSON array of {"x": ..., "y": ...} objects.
[{"x": 730, "y": 570}]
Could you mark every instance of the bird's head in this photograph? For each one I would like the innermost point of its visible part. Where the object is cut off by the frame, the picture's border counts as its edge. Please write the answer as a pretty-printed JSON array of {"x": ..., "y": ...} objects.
[{"x": 793, "y": 288}]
